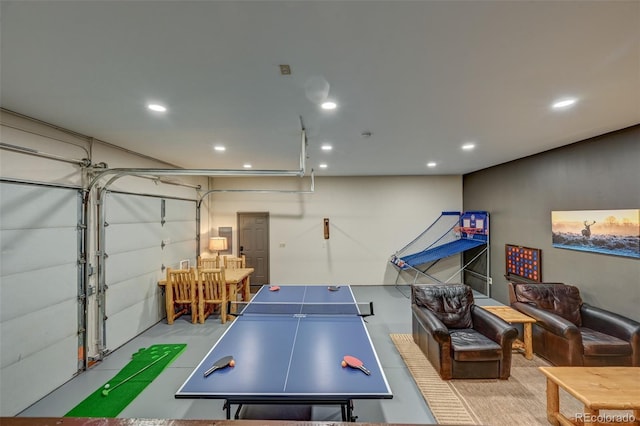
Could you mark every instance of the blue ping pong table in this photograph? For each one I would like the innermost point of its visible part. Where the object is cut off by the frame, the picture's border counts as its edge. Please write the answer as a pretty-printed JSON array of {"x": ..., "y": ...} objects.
[{"x": 293, "y": 357}]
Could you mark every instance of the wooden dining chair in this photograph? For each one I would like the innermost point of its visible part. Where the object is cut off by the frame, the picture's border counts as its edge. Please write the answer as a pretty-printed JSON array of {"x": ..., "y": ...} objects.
[
  {"x": 181, "y": 294},
  {"x": 208, "y": 262},
  {"x": 212, "y": 291},
  {"x": 231, "y": 262}
]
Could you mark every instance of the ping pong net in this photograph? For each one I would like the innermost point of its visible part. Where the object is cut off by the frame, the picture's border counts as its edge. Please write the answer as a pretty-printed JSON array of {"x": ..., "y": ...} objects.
[{"x": 300, "y": 309}]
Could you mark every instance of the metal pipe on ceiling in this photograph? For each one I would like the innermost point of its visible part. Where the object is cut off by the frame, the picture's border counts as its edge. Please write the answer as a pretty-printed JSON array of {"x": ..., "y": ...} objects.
[{"x": 311, "y": 190}]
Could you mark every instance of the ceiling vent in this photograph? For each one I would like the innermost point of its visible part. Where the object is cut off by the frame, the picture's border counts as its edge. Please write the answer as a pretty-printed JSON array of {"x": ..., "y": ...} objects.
[{"x": 285, "y": 69}]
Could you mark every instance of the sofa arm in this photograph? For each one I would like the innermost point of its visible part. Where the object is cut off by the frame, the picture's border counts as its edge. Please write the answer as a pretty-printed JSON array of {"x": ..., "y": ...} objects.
[
  {"x": 549, "y": 321},
  {"x": 609, "y": 323},
  {"x": 494, "y": 327},
  {"x": 431, "y": 323}
]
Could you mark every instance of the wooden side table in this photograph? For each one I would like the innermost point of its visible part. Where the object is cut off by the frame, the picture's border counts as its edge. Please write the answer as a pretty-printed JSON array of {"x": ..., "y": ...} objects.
[{"x": 512, "y": 316}]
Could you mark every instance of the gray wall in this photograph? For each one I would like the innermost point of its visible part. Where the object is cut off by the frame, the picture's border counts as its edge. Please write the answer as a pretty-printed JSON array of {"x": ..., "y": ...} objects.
[{"x": 596, "y": 174}]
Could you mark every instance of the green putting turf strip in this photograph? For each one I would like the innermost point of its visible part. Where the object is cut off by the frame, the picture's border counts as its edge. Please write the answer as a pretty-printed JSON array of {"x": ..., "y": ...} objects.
[{"x": 144, "y": 367}]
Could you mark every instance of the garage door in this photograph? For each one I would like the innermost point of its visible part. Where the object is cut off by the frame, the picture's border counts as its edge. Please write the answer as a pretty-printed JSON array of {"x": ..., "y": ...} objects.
[
  {"x": 144, "y": 235},
  {"x": 38, "y": 291}
]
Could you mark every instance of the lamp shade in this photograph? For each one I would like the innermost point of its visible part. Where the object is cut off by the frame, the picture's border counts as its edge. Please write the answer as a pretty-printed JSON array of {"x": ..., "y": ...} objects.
[{"x": 217, "y": 243}]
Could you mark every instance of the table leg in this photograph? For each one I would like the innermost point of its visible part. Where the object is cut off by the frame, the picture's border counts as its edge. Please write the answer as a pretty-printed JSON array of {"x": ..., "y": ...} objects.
[
  {"x": 200, "y": 315},
  {"x": 350, "y": 416},
  {"x": 553, "y": 402},
  {"x": 590, "y": 415},
  {"x": 247, "y": 289},
  {"x": 528, "y": 340},
  {"x": 169, "y": 302},
  {"x": 233, "y": 297},
  {"x": 227, "y": 408}
]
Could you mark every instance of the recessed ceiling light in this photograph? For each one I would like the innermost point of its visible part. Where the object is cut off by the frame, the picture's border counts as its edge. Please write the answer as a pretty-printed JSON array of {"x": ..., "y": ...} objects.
[
  {"x": 157, "y": 107},
  {"x": 468, "y": 146},
  {"x": 564, "y": 103},
  {"x": 323, "y": 166},
  {"x": 329, "y": 105},
  {"x": 326, "y": 147},
  {"x": 219, "y": 148},
  {"x": 432, "y": 164},
  {"x": 247, "y": 165}
]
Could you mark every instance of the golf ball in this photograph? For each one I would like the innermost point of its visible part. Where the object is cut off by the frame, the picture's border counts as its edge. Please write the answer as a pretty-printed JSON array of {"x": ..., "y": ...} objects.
[{"x": 107, "y": 386}]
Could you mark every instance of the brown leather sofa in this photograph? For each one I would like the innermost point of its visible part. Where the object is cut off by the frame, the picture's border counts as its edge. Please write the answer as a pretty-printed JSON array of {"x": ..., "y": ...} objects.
[
  {"x": 461, "y": 340},
  {"x": 569, "y": 332}
]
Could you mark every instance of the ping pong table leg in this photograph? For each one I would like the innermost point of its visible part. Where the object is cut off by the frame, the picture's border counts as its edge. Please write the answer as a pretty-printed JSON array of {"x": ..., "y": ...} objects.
[
  {"x": 350, "y": 416},
  {"x": 227, "y": 407}
]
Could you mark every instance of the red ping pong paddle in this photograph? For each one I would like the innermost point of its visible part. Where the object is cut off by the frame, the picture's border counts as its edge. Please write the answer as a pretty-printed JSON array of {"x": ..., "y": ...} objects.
[
  {"x": 274, "y": 288},
  {"x": 354, "y": 362},
  {"x": 219, "y": 364}
]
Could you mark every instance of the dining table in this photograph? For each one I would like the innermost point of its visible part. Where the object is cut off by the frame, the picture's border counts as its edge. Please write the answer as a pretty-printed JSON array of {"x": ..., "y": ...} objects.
[{"x": 238, "y": 278}]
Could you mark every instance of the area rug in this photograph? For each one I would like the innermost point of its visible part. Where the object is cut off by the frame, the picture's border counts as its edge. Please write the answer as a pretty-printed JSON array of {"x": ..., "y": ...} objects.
[
  {"x": 521, "y": 400},
  {"x": 112, "y": 397}
]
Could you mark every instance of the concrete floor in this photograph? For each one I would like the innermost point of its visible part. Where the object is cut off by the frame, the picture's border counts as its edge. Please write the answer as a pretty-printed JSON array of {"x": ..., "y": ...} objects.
[{"x": 392, "y": 315}]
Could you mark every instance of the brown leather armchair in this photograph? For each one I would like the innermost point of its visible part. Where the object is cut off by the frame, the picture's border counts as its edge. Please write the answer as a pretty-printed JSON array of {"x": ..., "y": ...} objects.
[
  {"x": 569, "y": 332},
  {"x": 461, "y": 340}
]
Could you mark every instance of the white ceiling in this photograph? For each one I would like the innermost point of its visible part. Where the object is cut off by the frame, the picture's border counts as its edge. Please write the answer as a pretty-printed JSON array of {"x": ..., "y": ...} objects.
[{"x": 423, "y": 77}]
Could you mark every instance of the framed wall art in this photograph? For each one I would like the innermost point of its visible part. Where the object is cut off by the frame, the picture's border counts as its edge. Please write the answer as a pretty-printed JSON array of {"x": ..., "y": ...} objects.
[
  {"x": 613, "y": 232},
  {"x": 523, "y": 263}
]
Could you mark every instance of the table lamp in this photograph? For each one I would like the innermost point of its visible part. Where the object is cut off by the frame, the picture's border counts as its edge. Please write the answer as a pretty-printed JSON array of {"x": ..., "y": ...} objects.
[{"x": 217, "y": 244}]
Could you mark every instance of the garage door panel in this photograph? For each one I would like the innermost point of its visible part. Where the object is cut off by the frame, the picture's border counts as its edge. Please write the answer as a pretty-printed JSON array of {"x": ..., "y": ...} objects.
[
  {"x": 179, "y": 231},
  {"x": 180, "y": 211},
  {"x": 20, "y": 378},
  {"x": 127, "y": 293},
  {"x": 133, "y": 320},
  {"x": 41, "y": 338},
  {"x": 133, "y": 236},
  {"x": 124, "y": 266},
  {"x": 27, "y": 249},
  {"x": 176, "y": 252},
  {"x": 128, "y": 208},
  {"x": 30, "y": 206},
  {"x": 29, "y": 292}
]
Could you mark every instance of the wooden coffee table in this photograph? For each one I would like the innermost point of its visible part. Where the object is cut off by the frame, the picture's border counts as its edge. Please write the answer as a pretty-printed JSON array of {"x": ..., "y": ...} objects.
[
  {"x": 512, "y": 316},
  {"x": 598, "y": 388}
]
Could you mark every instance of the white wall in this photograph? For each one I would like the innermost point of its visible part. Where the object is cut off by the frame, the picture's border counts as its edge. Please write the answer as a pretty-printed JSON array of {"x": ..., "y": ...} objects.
[{"x": 370, "y": 219}]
